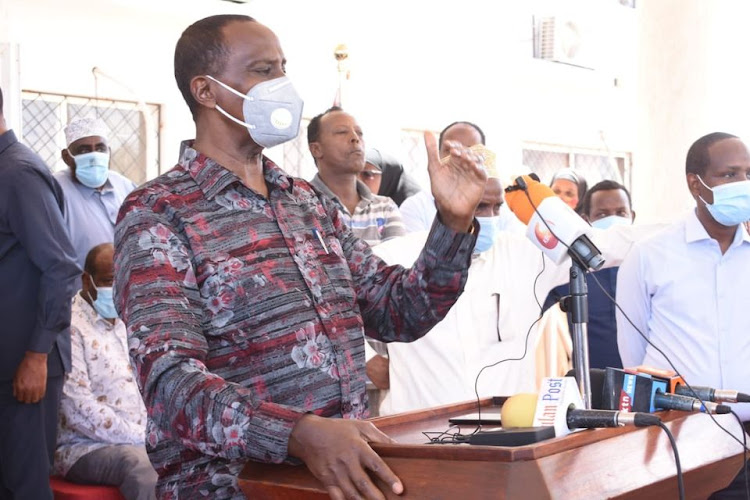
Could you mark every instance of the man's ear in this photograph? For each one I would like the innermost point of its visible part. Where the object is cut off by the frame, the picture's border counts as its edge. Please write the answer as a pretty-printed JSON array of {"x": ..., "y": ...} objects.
[
  {"x": 68, "y": 159},
  {"x": 200, "y": 88},
  {"x": 315, "y": 150},
  {"x": 694, "y": 185},
  {"x": 87, "y": 286},
  {"x": 632, "y": 215}
]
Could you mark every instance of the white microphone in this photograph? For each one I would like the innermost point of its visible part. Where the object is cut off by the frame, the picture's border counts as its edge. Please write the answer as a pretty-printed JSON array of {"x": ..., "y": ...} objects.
[
  {"x": 559, "y": 405},
  {"x": 571, "y": 233}
]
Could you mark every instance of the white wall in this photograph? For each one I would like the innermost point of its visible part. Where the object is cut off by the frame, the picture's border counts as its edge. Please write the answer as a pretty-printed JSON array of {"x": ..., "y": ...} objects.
[{"x": 693, "y": 80}]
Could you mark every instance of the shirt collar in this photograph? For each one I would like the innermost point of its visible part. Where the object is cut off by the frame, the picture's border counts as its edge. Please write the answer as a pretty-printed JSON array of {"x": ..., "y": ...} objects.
[
  {"x": 90, "y": 313},
  {"x": 213, "y": 178},
  {"x": 7, "y": 140},
  {"x": 694, "y": 231},
  {"x": 362, "y": 190}
]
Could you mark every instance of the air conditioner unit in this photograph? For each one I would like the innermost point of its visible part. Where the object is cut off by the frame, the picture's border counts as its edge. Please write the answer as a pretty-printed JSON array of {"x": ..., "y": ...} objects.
[{"x": 565, "y": 40}]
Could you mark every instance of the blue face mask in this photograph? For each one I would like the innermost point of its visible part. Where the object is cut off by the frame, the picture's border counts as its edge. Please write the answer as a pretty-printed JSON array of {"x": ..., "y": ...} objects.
[
  {"x": 612, "y": 220},
  {"x": 92, "y": 169},
  {"x": 731, "y": 204},
  {"x": 488, "y": 229},
  {"x": 104, "y": 303}
]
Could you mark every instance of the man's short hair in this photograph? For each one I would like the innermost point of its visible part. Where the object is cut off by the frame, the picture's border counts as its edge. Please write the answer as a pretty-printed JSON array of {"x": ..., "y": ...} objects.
[
  {"x": 201, "y": 51},
  {"x": 472, "y": 125},
  {"x": 90, "y": 265},
  {"x": 605, "y": 185},
  {"x": 313, "y": 128},
  {"x": 697, "y": 157}
]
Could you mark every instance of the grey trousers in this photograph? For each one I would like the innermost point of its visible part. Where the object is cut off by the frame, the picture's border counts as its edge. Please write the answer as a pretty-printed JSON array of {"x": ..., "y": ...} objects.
[{"x": 124, "y": 466}]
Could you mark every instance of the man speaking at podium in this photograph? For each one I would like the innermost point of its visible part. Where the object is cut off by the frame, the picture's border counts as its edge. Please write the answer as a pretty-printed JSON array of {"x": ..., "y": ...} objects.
[{"x": 246, "y": 297}]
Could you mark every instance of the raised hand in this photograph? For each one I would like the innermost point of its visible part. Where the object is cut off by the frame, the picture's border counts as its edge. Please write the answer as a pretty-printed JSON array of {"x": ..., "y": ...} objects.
[
  {"x": 337, "y": 452},
  {"x": 457, "y": 183}
]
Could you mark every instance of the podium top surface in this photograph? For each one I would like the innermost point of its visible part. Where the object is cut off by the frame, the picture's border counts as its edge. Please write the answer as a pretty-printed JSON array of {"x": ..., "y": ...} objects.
[{"x": 408, "y": 428}]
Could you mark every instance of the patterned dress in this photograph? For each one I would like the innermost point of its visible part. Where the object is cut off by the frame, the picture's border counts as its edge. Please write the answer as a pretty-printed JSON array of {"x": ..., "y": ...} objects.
[{"x": 246, "y": 312}]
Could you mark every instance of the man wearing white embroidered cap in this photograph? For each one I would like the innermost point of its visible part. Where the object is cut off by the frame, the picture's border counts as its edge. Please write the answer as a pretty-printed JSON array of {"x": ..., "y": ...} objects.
[{"x": 93, "y": 193}]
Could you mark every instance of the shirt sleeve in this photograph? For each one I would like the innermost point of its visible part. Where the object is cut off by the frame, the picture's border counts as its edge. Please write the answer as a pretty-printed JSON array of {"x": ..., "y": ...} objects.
[
  {"x": 399, "y": 304},
  {"x": 85, "y": 413},
  {"x": 37, "y": 221},
  {"x": 157, "y": 297},
  {"x": 635, "y": 302}
]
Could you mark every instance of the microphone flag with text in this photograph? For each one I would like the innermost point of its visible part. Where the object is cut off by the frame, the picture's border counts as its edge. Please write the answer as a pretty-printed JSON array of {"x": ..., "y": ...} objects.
[
  {"x": 571, "y": 233},
  {"x": 677, "y": 385},
  {"x": 632, "y": 391},
  {"x": 559, "y": 405}
]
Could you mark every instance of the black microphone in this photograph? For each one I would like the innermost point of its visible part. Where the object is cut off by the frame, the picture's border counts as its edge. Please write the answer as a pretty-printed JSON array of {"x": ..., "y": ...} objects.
[
  {"x": 715, "y": 395},
  {"x": 668, "y": 401},
  {"x": 591, "y": 419}
]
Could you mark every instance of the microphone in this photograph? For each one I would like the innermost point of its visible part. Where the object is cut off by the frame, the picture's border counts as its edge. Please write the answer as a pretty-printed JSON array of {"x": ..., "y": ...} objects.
[
  {"x": 632, "y": 391},
  {"x": 568, "y": 226},
  {"x": 560, "y": 405},
  {"x": 703, "y": 393},
  {"x": 590, "y": 419},
  {"x": 556, "y": 411},
  {"x": 715, "y": 395}
]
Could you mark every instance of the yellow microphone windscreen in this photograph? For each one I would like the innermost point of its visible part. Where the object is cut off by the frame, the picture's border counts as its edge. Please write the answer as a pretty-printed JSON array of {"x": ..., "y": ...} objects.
[{"x": 518, "y": 410}]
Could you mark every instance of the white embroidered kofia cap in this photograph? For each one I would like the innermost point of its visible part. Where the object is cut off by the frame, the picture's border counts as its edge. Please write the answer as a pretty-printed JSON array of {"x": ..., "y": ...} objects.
[{"x": 85, "y": 127}]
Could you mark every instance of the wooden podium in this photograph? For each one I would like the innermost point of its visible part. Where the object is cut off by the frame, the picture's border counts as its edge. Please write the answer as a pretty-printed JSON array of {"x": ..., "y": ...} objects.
[{"x": 621, "y": 463}]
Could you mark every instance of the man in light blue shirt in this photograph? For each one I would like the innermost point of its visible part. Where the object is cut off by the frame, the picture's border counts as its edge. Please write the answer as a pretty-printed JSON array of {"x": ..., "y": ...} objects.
[
  {"x": 93, "y": 192},
  {"x": 685, "y": 287}
]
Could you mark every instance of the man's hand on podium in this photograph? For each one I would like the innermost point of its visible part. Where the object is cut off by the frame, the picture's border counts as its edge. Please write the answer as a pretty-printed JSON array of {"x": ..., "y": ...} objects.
[{"x": 337, "y": 452}]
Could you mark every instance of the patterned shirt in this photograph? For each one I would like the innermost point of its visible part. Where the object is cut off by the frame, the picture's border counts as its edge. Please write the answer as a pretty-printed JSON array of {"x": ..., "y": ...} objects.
[
  {"x": 375, "y": 218},
  {"x": 101, "y": 404},
  {"x": 246, "y": 312}
]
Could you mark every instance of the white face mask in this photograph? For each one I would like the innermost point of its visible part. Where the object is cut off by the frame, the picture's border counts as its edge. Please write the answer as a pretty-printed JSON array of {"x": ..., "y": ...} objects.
[
  {"x": 272, "y": 111},
  {"x": 612, "y": 220}
]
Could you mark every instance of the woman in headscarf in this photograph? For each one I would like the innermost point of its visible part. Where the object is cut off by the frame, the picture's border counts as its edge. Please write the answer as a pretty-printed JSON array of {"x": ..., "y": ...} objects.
[
  {"x": 570, "y": 186},
  {"x": 394, "y": 181}
]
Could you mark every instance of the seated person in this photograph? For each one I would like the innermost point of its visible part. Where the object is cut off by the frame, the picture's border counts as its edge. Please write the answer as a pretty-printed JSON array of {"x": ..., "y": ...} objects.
[
  {"x": 102, "y": 425},
  {"x": 604, "y": 205},
  {"x": 388, "y": 177}
]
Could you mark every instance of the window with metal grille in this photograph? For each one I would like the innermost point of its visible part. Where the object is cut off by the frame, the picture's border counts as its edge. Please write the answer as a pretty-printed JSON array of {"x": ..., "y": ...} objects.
[
  {"x": 594, "y": 165},
  {"x": 134, "y": 130}
]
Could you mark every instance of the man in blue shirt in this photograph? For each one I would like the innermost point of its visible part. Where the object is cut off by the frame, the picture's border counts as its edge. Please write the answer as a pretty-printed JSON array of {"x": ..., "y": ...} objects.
[
  {"x": 604, "y": 205},
  {"x": 93, "y": 192},
  {"x": 38, "y": 277}
]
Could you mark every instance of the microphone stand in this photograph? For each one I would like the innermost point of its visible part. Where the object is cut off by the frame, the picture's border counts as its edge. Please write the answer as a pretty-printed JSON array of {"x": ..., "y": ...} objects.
[{"x": 577, "y": 306}]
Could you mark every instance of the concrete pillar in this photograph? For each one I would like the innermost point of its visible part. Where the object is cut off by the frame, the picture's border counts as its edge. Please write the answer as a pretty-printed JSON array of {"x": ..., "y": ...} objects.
[{"x": 692, "y": 80}]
